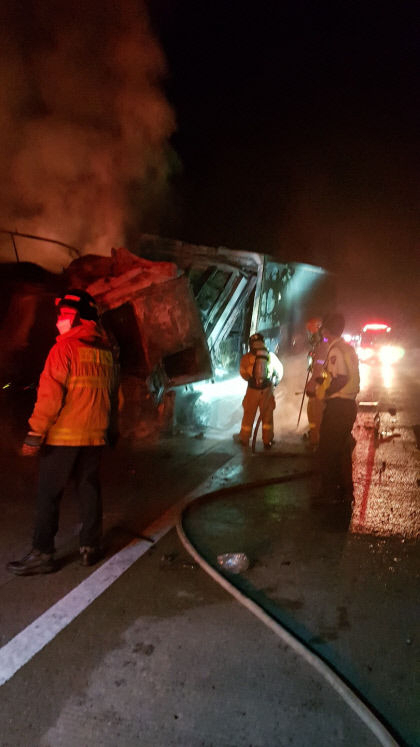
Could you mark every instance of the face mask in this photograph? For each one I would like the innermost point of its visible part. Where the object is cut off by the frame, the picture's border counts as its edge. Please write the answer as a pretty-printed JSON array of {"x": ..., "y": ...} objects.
[{"x": 63, "y": 325}]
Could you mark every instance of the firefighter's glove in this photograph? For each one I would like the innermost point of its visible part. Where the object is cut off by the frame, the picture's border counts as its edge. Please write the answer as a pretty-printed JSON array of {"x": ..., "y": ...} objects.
[{"x": 31, "y": 444}]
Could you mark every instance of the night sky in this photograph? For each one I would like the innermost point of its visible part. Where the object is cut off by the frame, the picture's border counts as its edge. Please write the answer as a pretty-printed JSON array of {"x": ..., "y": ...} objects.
[
  {"x": 287, "y": 127},
  {"x": 298, "y": 135}
]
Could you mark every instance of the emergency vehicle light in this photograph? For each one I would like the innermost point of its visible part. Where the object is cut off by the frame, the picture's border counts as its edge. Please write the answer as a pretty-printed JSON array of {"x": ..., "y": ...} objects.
[{"x": 376, "y": 327}]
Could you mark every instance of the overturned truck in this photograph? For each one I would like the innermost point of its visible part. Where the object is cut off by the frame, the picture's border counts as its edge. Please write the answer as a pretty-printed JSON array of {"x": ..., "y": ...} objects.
[{"x": 181, "y": 315}]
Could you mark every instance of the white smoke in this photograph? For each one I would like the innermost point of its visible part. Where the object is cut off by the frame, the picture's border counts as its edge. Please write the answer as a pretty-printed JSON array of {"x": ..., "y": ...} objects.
[{"x": 84, "y": 124}]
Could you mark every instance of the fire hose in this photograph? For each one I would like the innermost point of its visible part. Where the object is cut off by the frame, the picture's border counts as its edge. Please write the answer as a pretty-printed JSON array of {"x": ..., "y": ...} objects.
[
  {"x": 303, "y": 397},
  {"x": 364, "y": 713}
]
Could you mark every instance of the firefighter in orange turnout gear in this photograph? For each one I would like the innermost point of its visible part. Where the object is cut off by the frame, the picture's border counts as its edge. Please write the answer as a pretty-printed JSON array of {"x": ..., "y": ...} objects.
[
  {"x": 261, "y": 369},
  {"x": 75, "y": 415}
]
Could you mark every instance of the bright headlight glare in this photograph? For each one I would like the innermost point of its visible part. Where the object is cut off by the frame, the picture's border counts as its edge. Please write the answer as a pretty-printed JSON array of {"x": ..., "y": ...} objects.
[
  {"x": 391, "y": 353},
  {"x": 365, "y": 353}
]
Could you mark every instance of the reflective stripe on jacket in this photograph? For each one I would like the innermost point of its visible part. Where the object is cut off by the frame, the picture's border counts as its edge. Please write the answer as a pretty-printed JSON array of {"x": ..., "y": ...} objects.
[{"x": 77, "y": 402}]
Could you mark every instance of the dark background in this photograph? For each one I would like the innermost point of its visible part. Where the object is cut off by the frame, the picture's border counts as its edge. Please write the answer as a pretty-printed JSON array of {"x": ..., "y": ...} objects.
[
  {"x": 288, "y": 127},
  {"x": 298, "y": 135}
]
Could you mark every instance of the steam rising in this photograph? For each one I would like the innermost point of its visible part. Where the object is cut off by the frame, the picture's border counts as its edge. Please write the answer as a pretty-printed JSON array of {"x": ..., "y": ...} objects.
[{"x": 84, "y": 123}]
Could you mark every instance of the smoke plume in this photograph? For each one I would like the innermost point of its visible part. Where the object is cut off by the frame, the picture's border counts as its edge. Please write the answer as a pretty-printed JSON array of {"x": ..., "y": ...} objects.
[{"x": 84, "y": 124}]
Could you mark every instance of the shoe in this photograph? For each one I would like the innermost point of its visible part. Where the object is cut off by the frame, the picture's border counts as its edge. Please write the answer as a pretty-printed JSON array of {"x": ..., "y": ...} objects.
[
  {"x": 268, "y": 446},
  {"x": 236, "y": 437},
  {"x": 33, "y": 563},
  {"x": 90, "y": 555}
]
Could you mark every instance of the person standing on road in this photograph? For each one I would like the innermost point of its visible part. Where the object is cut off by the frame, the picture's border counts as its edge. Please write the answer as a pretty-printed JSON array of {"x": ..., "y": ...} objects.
[
  {"x": 317, "y": 355},
  {"x": 340, "y": 380},
  {"x": 75, "y": 415},
  {"x": 262, "y": 370}
]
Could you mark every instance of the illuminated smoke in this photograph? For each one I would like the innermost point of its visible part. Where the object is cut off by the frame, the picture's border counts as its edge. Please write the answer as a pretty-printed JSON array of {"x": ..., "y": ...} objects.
[{"x": 84, "y": 124}]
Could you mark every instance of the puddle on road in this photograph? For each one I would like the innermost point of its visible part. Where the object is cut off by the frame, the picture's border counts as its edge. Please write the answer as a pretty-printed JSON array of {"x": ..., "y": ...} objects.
[{"x": 351, "y": 598}]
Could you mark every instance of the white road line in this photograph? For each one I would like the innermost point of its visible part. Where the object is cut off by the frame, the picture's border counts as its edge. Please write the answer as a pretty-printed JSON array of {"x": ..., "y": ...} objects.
[
  {"x": 38, "y": 634},
  {"x": 23, "y": 647}
]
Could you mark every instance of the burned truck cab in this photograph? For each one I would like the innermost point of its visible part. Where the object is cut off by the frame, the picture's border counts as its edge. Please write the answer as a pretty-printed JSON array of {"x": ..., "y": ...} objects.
[
  {"x": 237, "y": 293},
  {"x": 149, "y": 313}
]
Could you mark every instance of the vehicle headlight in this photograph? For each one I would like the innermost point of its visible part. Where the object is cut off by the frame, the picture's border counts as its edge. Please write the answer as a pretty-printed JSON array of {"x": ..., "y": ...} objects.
[
  {"x": 365, "y": 353},
  {"x": 391, "y": 354}
]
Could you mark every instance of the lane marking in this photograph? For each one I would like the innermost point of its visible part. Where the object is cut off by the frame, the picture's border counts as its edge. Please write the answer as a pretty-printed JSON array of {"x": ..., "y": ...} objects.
[{"x": 26, "y": 644}]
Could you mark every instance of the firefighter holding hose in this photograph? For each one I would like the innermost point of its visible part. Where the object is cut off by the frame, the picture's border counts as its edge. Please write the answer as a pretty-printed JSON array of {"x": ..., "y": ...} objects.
[
  {"x": 263, "y": 371},
  {"x": 317, "y": 356}
]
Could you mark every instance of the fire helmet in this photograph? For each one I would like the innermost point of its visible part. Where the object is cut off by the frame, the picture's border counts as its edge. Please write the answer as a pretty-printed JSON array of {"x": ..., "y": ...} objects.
[
  {"x": 313, "y": 325},
  {"x": 257, "y": 337},
  {"x": 81, "y": 301},
  {"x": 334, "y": 323}
]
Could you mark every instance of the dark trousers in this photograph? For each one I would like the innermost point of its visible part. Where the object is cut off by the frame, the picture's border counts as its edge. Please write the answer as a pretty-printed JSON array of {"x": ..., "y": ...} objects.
[
  {"x": 336, "y": 444},
  {"x": 57, "y": 465}
]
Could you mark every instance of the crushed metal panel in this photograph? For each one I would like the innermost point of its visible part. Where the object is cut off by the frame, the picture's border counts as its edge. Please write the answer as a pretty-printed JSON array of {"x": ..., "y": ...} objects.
[
  {"x": 171, "y": 331},
  {"x": 121, "y": 323},
  {"x": 148, "y": 308},
  {"x": 229, "y": 309},
  {"x": 223, "y": 282},
  {"x": 185, "y": 255}
]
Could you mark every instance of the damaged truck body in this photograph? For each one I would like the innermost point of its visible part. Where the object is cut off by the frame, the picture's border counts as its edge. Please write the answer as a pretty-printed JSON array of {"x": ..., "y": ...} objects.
[{"x": 181, "y": 315}]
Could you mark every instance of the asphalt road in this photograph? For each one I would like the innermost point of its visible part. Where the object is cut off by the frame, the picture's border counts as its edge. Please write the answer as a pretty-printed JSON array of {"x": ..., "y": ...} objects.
[{"x": 163, "y": 656}]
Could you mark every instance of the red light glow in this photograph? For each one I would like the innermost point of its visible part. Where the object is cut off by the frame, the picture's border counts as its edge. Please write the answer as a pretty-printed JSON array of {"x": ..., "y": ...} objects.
[{"x": 376, "y": 327}]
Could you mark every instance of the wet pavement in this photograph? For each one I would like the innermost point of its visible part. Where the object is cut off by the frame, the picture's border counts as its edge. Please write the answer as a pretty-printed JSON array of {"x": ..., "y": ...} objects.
[
  {"x": 351, "y": 598},
  {"x": 165, "y": 656}
]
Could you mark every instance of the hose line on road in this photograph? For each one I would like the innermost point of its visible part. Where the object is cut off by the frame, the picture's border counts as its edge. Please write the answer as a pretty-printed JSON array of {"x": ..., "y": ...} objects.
[{"x": 341, "y": 688}]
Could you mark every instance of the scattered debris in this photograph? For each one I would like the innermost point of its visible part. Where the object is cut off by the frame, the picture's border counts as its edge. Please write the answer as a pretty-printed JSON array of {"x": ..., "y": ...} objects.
[
  {"x": 234, "y": 562},
  {"x": 173, "y": 561}
]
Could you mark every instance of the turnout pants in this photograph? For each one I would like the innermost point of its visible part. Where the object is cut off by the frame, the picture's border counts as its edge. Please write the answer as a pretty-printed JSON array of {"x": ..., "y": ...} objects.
[
  {"x": 262, "y": 399},
  {"x": 315, "y": 409},
  {"x": 336, "y": 445},
  {"x": 57, "y": 465}
]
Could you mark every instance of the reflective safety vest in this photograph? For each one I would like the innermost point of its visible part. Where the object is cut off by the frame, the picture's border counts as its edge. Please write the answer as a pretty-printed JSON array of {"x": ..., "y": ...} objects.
[
  {"x": 77, "y": 402},
  {"x": 333, "y": 367}
]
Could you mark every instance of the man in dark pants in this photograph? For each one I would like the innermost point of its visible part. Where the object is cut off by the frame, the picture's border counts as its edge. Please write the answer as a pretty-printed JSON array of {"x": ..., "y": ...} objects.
[
  {"x": 75, "y": 415},
  {"x": 341, "y": 384}
]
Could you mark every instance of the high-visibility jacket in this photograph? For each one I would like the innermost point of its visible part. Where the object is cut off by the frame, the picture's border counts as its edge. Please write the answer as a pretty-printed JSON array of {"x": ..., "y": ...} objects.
[
  {"x": 342, "y": 360},
  {"x": 77, "y": 402}
]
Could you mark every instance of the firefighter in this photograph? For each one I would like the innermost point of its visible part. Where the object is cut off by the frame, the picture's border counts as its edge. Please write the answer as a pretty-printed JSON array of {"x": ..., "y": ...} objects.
[
  {"x": 75, "y": 415},
  {"x": 262, "y": 370},
  {"x": 340, "y": 382},
  {"x": 317, "y": 355}
]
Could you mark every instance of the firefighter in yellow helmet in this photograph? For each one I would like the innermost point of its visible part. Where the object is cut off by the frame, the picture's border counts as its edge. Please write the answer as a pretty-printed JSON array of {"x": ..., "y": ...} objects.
[
  {"x": 317, "y": 356},
  {"x": 262, "y": 370}
]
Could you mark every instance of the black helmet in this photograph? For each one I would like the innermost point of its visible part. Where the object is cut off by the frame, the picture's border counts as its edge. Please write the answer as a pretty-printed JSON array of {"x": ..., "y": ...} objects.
[
  {"x": 81, "y": 301},
  {"x": 334, "y": 323},
  {"x": 256, "y": 337}
]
